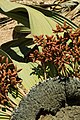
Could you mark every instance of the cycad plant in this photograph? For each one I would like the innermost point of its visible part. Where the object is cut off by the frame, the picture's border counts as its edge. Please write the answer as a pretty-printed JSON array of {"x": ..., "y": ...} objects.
[{"x": 51, "y": 50}]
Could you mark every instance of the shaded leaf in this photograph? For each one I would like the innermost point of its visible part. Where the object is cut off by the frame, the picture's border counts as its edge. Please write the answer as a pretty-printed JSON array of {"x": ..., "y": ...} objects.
[{"x": 22, "y": 29}]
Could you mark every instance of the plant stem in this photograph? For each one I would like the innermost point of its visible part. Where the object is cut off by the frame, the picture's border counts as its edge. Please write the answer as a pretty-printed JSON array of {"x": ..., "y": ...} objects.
[{"x": 44, "y": 69}]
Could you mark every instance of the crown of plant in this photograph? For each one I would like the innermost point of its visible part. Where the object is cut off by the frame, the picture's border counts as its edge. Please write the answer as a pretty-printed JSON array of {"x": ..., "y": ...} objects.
[
  {"x": 9, "y": 83},
  {"x": 61, "y": 50}
]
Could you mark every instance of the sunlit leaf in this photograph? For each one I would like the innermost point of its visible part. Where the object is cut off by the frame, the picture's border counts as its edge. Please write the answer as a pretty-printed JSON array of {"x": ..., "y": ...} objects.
[
  {"x": 58, "y": 18},
  {"x": 69, "y": 67},
  {"x": 39, "y": 20},
  {"x": 33, "y": 19}
]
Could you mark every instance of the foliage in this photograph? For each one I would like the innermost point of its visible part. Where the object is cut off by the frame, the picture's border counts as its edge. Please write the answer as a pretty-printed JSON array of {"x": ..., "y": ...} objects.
[
  {"x": 18, "y": 49},
  {"x": 35, "y": 21},
  {"x": 33, "y": 17}
]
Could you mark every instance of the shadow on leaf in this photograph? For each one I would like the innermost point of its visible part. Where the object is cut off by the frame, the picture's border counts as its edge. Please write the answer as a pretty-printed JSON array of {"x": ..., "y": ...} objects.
[{"x": 18, "y": 49}]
